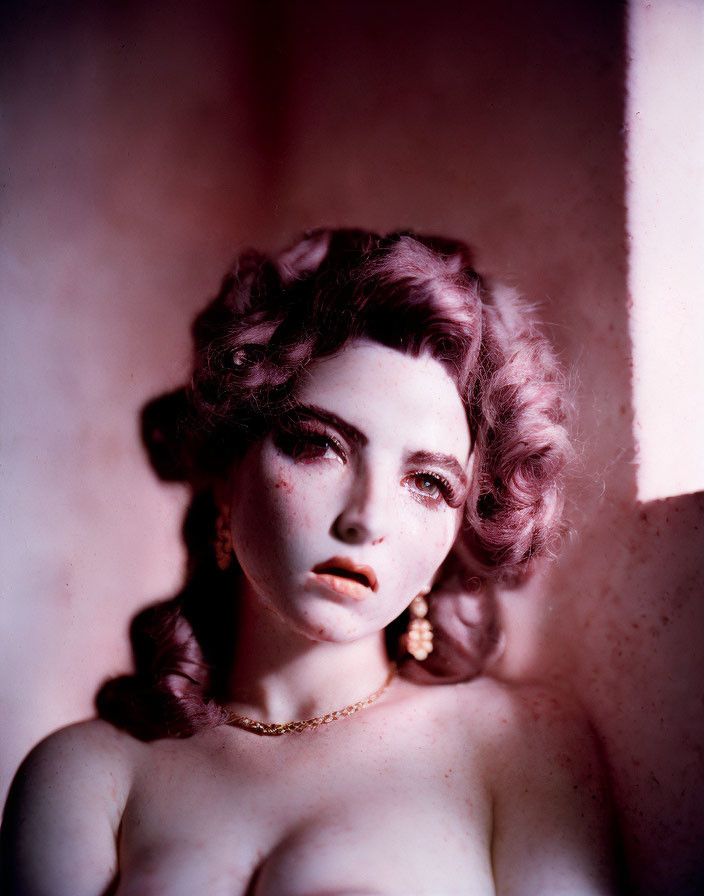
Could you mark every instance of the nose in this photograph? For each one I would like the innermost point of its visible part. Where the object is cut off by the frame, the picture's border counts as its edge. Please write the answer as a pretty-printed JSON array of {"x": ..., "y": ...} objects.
[{"x": 363, "y": 517}]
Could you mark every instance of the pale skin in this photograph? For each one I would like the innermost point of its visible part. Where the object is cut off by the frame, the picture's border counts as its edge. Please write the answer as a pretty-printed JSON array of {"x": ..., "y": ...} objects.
[{"x": 478, "y": 788}]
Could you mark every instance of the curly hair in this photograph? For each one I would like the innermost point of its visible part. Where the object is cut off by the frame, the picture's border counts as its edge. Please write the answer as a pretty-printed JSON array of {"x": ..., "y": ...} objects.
[{"x": 272, "y": 318}]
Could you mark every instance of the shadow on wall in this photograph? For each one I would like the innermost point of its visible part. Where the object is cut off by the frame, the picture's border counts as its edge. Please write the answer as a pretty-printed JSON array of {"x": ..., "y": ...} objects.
[{"x": 640, "y": 674}]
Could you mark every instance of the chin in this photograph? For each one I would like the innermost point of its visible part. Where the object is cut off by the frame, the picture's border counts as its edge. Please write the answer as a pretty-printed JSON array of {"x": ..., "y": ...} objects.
[
  {"x": 335, "y": 632},
  {"x": 335, "y": 625}
]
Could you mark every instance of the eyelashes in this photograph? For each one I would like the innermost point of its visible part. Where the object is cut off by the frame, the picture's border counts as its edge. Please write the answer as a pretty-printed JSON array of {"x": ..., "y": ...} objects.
[
  {"x": 433, "y": 486},
  {"x": 306, "y": 441}
]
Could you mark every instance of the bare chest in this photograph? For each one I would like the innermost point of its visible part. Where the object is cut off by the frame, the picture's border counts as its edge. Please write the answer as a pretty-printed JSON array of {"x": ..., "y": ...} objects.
[{"x": 328, "y": 814}]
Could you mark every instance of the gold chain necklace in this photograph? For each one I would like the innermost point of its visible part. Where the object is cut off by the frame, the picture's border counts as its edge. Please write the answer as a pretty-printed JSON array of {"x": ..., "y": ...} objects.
[{"x": 277, "y": 729}]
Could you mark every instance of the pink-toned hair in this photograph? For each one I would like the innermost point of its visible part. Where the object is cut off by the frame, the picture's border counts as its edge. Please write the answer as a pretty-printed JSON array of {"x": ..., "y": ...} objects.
[{"x": 272, "y": 318}]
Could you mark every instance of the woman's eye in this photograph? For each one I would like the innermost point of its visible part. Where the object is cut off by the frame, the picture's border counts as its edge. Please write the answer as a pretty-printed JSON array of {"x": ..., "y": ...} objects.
[
  {"x": 310, "y": 446},
  {"x": 428, "y": 485}
]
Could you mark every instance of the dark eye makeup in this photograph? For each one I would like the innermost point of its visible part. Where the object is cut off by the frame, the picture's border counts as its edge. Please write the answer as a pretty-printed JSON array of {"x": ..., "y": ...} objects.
[
  {"x": 431, "y": 485},
  {"x": 305, "y": 440},
  {"x": 309, "y": 440}
]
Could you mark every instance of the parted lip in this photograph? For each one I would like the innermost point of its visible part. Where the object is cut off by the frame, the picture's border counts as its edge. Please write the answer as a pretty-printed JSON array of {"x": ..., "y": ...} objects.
[{"x": 344, "y": 566}]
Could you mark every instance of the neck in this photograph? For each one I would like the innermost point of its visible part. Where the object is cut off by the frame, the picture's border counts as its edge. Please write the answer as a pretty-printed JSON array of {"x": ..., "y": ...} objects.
[{"x": 279, "y": 675}]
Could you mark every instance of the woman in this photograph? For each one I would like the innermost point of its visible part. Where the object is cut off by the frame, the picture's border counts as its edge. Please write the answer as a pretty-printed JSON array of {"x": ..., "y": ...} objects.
[{"x": 372, "y": 437}]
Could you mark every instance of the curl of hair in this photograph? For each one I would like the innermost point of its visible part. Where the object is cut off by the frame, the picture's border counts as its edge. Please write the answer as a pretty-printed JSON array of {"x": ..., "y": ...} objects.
[
  {"x": 514, "y": 511},
  {"x": 272, "y": 318}
]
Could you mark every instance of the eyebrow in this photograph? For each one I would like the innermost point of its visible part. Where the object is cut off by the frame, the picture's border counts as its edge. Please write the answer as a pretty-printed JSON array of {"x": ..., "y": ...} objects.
[
  {"x": 349, "y": 431},
  {"x": 446, "y": 462}
]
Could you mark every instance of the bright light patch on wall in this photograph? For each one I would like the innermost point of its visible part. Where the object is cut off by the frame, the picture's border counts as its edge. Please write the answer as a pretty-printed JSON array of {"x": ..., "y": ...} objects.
[{"x": 665, "y": 197}]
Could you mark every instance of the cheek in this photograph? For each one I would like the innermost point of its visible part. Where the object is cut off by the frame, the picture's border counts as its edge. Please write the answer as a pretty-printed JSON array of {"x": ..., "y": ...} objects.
[
  {"x": 439, "y": 528},
  {"x": 427, "y": 543},
  {"x": 282, "y": 480},
  {"x": 261, "y": 514},
  {"x": 295, "y": 504},
  {"x": 258, "y": 493}
]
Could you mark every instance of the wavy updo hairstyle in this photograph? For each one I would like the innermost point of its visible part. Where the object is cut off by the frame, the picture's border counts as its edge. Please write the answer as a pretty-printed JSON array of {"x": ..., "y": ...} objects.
[{"x": 272, "y": 318}]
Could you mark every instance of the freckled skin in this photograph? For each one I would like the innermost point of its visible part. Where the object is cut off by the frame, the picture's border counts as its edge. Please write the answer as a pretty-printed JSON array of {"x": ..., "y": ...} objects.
[{"x": 401, "y": 404}]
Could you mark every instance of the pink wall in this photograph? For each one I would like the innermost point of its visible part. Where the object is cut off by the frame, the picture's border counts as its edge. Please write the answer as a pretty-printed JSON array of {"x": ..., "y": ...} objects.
[{"x": 144, "y": 146}]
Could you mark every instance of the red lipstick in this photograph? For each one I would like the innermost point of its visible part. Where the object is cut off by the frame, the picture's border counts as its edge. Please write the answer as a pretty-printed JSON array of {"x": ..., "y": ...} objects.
[{"x": 347, "y": 577}]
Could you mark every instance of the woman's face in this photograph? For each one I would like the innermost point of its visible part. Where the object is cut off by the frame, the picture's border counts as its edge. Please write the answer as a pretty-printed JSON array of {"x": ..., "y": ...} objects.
[{"x": 345, "y": 511}]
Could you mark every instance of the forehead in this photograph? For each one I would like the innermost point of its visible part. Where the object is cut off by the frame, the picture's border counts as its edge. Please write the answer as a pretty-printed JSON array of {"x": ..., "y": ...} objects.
[{"x": 391, "y": 395}]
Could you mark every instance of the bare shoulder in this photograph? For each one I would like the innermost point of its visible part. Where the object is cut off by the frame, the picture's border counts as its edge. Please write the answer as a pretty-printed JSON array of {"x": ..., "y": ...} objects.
[
  {"x": 529, "y": 721},
  {"x": 62, "y": 815},
  {"x": 553, "y": 822},
  {"x": 90, "y": 740},
  {"x": 88, "y": 760}
]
